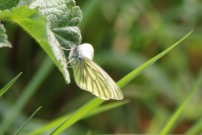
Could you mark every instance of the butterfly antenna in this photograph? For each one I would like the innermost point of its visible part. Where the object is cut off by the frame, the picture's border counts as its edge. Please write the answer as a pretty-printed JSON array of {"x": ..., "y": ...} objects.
[{"x": 65, "y": 49}]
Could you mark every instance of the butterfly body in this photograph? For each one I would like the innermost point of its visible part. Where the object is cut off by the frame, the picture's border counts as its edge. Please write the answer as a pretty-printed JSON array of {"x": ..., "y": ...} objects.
[{"x": 90, "y": 76}]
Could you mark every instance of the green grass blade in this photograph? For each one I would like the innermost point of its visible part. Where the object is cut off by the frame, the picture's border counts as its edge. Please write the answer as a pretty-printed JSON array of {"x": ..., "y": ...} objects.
[
  {"x": 25, "y": 123},
  {"x": 31, "y": 88},
  {"x": 49, "y": 126},
  {"x": 7, "y": 87},
  {"x": 195, "y": 129},
  {"x": 80, "y": 113},
  {"x": 179, "y": 111},
  {"x": 56, "y": 122},
  {"x": 105, "y": 108},
  {"x": 141, "y": 68}
]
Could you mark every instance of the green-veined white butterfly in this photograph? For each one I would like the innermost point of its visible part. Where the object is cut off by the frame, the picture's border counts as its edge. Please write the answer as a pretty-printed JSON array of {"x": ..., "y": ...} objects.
[{"x": 91, "y": 77}]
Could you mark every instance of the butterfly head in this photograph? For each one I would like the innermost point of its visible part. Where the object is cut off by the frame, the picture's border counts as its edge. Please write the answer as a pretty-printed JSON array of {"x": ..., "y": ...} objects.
[{"x": 81, "y": 51}]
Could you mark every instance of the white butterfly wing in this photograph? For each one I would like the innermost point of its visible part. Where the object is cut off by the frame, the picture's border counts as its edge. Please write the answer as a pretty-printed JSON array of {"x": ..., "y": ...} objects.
[{"x": 91, "y": 77}]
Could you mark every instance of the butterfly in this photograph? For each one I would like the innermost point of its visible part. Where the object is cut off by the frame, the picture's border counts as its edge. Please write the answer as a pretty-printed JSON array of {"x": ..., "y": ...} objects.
[{"x": 90, "y": 76}]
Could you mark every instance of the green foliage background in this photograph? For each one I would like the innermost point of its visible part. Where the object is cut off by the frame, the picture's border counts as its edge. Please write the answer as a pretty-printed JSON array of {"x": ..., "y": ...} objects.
[{"x": 124, "y": 34}]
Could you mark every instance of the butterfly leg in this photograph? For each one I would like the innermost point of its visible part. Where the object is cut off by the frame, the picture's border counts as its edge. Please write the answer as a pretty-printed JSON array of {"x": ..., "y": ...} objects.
[{"x": 68, "y": 63}]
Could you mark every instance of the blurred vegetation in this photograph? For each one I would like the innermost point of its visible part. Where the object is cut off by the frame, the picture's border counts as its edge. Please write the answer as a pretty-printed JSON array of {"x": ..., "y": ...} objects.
[{"x": 124, "y": 34}]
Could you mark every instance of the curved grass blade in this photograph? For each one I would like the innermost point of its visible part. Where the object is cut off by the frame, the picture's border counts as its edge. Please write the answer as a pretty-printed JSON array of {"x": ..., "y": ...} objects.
[
  {"x": 7, "y": 87},
  {"x": 30, "y": 89},
  {"x": 94, "y": 103},
  {"x": 105, "y": 108},
  {"x": 99, "y": 110},
  {"x": 25, "y": 123},
  {"x": 129, "y": 77},
  {"x": 49, "y": 126},
  {"x": 195, "y": 129},
  {"x": 179, "y": 111}
]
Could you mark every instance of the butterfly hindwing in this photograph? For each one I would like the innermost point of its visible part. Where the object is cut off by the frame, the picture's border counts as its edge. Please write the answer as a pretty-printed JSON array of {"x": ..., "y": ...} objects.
[{"x": 91, "y": 77}]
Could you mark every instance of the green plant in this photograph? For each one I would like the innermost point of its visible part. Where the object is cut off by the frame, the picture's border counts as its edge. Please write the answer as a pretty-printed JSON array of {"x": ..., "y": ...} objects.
[{"x": 54, "y": 26}]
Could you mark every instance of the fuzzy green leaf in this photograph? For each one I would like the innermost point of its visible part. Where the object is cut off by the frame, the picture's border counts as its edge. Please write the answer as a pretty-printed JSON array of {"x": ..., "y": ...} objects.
[
  {"x": 25, "y": 2},
  {"x": 6, "y": 4},
  {"x": 52, "y": 23},
  {"x": 3, "y": 37},
  {"x": 63, "y": 17},
  {"x": 36, "y": 25}
]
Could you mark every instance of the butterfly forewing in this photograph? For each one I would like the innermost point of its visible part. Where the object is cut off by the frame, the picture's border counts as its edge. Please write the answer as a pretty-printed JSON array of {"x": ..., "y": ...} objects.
[{"x": 91, "y": 77}]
